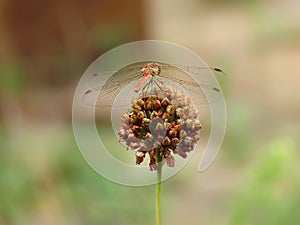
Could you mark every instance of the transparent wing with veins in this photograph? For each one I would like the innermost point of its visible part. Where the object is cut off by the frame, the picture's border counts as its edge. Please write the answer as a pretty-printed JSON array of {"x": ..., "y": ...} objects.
[
  {"x": 103, "y": 92},
  {"x": 178, "y": 74}
]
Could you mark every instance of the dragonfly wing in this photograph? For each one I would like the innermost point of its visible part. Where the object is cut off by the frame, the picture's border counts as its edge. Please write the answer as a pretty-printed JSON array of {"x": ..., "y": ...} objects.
[
  {"x": 105, "y": 87},
  {"x": 199, "y": 69},
  {"x": 203, "y": 92}
]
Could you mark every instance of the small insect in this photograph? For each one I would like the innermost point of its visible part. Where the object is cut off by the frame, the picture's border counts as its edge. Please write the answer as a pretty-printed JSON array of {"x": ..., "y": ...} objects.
[{"x": 147, "y": 75}]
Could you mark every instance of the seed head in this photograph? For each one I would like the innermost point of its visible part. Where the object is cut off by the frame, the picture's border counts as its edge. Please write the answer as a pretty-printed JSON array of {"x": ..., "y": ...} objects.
[{"x": 160, "y": 123}]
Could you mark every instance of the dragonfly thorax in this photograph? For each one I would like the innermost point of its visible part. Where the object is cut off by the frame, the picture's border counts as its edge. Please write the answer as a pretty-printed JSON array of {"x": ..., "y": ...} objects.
[{"x": 151, "y": 69}]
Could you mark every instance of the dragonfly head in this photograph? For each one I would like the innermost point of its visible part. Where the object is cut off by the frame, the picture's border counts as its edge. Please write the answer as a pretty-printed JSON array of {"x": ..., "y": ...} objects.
[{"x": 151, "y": 68}]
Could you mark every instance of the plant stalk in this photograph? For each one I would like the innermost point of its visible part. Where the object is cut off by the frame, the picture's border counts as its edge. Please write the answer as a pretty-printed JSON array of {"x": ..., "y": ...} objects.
[{"x": 158, "y": 188}]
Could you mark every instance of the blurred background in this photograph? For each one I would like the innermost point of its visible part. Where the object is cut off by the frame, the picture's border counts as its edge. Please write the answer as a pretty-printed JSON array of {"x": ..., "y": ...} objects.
[{"x": 45, "y": 47}]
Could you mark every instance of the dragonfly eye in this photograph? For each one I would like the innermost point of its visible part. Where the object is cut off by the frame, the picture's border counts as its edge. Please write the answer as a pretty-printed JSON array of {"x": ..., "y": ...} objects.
[
  {"x": 157, "y": 70},
  {"x": 154, "y": 69},
  {"x": 145, "y": 70}
]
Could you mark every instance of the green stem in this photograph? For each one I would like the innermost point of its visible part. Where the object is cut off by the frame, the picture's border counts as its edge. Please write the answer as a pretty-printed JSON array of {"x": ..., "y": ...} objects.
[{"x": 158, "y": 188}]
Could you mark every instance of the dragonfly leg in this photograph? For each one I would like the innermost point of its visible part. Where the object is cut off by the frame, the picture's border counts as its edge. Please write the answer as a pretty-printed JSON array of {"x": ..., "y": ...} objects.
[
  {"x": 146, "y": 88},
  {"x": 159, "y": 85}
]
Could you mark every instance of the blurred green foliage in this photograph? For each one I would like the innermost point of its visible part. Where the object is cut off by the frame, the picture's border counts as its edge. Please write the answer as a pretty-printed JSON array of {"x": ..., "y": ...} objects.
[
  {"x": 240, "y": 140},
  {"x": 67, "y": 181},
  {"x": 271, "y": 195},
  {"x": 12, "y": 81},
  {"x": 64, "y": 181}
]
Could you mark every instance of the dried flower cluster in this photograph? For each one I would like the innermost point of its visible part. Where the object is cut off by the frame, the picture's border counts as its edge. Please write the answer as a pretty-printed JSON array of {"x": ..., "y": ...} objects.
[{"x": 160, "y": 123}]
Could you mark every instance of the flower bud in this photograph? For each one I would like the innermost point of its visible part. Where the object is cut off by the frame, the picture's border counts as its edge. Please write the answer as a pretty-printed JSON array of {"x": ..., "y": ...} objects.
[
  {"x": 193, "y": 114},
  {"x": 152, "y": 98},
  {"x": 124, "y": 118},
  {"x": 131, "y": 137},
  {"x": 125, "y": 126},
  {"x": 167, "y": 125},
  {"x": 135, "y": 128},
  {"x": 179, "y": 102},
  {"x": 134, "y": 145},
  {"x": 159, "y": 113},
  {"x": 170, "y": 109},
  {"x": 139, "y": 157},
  {"x": 197, "y": 124},
  {"x": 186, "y": 109},
  {"x": 152, "y": 163},
  {"x": 132, "y": 119},
  {"x": 160, "y": 138},
  {"x": 166, "y": 153},
  {"x": 148, "y": 105},
  {"x": 140, "y": 115},
  {"x": 166, "y": 141},
  {"x": 182, "y": 153},
  {"x": 140, "y": 102},
  {"x": 179, "y": 121},
  {"x": 153, "y": 115},
  {"x": 188, "y": 140},
  {"x": 145, "y": 122},
  {"x": 148, "y": 135},
  {"x": 179, "y": 112},
  {"x": 136, "y": 108},
  {"x": 165, "y": 102},
  {"x": 186, "y": 100},
  {"x": 175, "y": 141},
  {"x": 183, "y": 133},
  {"x": 177, "y": 127},
  {"x": 172, "y": 132},
  {"x": 166, "y": 116},
  {"x": 170, "y": 161},
  {"x": 159, "y": 127},
  {"x": 156, "y": 104},
  {"x": 122, "y": 131},
  {"x": 189, "y": 123}
]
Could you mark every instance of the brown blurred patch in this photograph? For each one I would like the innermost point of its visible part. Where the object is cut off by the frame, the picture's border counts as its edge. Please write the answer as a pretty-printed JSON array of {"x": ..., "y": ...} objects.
[
  {"x": 47, "y": 44},
  {"x": 54, "y": 39}
]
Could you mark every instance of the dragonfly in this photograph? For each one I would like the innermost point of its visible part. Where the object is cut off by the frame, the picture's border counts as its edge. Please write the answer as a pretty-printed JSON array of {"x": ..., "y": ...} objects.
[{"x": 146, "y": 74}]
